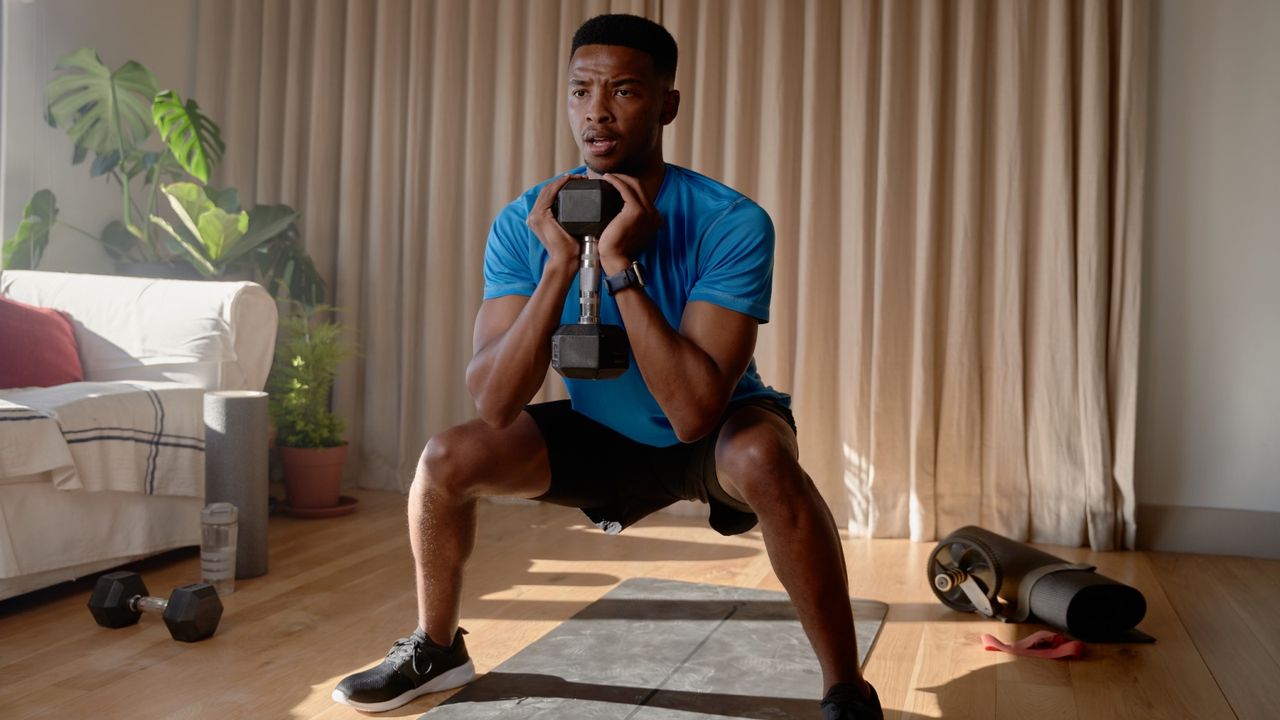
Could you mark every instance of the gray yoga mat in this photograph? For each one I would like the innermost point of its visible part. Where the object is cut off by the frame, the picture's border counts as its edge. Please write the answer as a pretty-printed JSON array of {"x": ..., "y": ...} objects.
[{"x": 661, "y": 649}]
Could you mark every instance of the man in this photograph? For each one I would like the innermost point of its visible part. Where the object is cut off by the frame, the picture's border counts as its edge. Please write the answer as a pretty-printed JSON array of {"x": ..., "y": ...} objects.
[{"x": 689, "y": 267}]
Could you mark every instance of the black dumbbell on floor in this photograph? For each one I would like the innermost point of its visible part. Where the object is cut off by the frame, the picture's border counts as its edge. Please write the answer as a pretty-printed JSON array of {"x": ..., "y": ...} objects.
[
  {"x": 589, "y": 350},
  {"x": 191, "y": 613}
]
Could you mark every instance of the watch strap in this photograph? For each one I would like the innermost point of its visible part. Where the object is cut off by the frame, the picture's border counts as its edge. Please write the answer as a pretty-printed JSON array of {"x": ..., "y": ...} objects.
[{"x": 632, "y": 275}]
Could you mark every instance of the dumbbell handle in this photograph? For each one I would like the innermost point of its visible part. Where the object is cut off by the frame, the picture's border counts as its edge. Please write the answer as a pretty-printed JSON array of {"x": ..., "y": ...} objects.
[
  {"x": 146, "y": 603},
  {"x": 589, "y": 282}
]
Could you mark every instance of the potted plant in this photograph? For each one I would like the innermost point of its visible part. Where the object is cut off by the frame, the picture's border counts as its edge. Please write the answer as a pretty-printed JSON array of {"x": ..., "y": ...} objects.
[
  {"x": 309, "y": 435},
  {"x": 111, "y": 114}
]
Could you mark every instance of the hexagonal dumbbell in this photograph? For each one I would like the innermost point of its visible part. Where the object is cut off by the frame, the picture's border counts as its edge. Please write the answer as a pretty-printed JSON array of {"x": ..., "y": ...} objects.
[
  {"x": 588, "y": 349},
  {"x": 191, "y": 613}
]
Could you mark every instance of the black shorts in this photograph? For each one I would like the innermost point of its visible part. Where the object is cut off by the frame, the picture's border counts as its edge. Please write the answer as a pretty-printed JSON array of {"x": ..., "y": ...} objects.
[{"x": 617, "y": 481}]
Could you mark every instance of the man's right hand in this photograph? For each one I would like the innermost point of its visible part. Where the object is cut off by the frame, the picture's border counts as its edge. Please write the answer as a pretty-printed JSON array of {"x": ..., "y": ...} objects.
[{"x": 562, "y": 248}]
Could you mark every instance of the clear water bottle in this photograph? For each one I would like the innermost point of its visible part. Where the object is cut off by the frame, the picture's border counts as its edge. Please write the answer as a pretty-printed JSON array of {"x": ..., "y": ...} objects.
[{"x": 218, "y": 528}]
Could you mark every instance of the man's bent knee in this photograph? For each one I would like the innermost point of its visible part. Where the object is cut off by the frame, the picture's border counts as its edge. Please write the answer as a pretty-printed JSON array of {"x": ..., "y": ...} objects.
[
  {"x": 758, "y": 466},
  {"x": 445, "y": 466},
  {"x": 474, "y": 459}
]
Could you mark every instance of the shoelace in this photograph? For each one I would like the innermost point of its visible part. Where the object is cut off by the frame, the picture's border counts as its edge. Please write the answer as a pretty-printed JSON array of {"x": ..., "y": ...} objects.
[{"x": 406, "y": 647}]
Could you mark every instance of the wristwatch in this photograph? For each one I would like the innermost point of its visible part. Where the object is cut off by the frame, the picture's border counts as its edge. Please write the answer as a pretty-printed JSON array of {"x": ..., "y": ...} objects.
[{"x": 633, "y": 275}]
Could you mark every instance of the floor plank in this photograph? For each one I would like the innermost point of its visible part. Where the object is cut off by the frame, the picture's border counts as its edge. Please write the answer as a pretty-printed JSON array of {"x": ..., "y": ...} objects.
[
  {"x": 339, "y": 591},
  {"x": 1227, "y": 618}
]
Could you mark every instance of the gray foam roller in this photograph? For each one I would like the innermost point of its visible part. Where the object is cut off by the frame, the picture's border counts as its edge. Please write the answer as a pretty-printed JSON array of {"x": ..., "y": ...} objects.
[{"x": 236, "y": 469}]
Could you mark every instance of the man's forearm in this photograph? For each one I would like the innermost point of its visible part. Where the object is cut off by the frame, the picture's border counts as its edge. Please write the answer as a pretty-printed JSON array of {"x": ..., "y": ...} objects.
[
  {"x": 505, "y": 374},
  {"x": 688, "y": 385}
]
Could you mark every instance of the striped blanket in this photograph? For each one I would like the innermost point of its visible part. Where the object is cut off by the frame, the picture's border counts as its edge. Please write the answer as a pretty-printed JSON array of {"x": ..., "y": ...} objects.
[{"x": 122, "y": 436}]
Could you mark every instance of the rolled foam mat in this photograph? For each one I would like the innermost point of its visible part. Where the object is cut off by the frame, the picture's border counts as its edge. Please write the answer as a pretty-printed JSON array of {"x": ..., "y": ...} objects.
[
  {"x": 1023, "y": 583},
  {"x": 660, "y": 649}
]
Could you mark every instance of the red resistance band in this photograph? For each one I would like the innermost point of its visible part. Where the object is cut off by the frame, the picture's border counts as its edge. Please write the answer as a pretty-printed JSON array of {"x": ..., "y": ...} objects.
[{"x": 1041, "y": 644}]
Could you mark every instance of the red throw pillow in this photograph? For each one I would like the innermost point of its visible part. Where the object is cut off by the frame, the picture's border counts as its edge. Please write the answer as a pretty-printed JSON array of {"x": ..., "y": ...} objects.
[{"x": 37, "y": 347}]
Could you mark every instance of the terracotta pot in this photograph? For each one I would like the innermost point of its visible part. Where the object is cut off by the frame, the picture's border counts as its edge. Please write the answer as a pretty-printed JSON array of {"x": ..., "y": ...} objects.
[{"x": 312, "y": 476}]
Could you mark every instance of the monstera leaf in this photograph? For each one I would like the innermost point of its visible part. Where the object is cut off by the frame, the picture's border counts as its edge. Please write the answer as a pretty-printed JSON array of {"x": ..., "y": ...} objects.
[
  {"x": 193, "y": 138},
  {"x": 102, "y": 110},
  {"x": 265, "y": 223},
  {"x": 26, "y": 247},
  {"x": 284, "y": 264}
]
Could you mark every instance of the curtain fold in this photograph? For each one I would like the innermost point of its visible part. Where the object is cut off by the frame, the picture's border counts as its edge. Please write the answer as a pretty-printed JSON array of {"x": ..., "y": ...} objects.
[{"x": 956, "y": 189}]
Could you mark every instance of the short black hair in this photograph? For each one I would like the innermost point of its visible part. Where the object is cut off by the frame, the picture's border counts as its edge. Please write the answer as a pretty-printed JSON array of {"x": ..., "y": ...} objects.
[{"x": 634, "y": 32}]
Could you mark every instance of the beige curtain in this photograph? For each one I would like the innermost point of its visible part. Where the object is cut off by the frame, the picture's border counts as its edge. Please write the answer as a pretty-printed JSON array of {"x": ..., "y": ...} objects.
[{"x": 956, "y": 186}]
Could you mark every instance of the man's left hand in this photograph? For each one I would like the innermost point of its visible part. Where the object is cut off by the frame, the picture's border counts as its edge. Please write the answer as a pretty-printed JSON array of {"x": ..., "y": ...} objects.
[{"x": 632, "y": 229}]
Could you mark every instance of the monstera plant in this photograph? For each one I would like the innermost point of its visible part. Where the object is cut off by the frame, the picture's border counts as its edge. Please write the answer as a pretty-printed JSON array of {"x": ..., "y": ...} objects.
[{"x": 110, "y": 114}]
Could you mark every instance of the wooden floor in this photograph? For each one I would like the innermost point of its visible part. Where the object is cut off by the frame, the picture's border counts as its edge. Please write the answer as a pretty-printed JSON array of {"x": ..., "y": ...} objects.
[{"x": 339, "y": 591}]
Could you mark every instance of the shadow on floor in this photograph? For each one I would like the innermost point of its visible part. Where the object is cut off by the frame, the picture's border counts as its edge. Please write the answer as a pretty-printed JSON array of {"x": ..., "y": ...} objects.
[{"x": 535, "y": 694}]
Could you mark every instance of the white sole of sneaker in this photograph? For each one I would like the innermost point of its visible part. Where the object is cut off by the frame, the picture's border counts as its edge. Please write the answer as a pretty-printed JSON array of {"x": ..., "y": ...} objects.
[{"x": 456, "y": 677}]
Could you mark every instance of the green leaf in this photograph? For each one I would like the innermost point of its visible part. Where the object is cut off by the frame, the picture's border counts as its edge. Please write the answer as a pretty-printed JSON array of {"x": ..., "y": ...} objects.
[
  {"x": 189, "y": 202},
  {"x": 304, "y": 281},
  {"x": 227, "y": 199},
  {"x": 120, "y": 243},
  {"x": 137, "y": 162},
  {"x": 265, "y": 223},
  {"x": 194, "y": 252},
  {"x": 193, "y": 138},
  {"x": 102, "y": 110},
  {"x": 220, "y": 232},
  {"x": 117, "y": 241},
  {"x": 167, "y": 167},
  {"x": 285, "y": 266},
  {"x": 26, "y": 247},
  {"x": 217, "y": 232},
  {"x": 104, "y": 164}
]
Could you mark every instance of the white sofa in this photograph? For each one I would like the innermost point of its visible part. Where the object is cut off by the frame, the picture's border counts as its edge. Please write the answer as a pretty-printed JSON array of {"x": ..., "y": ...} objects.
[{"x": 68, "y": 509}]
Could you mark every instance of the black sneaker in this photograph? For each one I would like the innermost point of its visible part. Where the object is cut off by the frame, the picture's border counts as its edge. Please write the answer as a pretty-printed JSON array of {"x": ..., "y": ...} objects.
[
  {"x": 414, "y": 666},
  {"x": 845, "y": 701}
]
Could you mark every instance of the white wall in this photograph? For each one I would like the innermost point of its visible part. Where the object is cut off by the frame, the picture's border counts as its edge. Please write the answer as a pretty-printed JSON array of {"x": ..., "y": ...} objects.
[
  {"x": 160, "y": 34},
  {"x": 1209, "y": 397}
]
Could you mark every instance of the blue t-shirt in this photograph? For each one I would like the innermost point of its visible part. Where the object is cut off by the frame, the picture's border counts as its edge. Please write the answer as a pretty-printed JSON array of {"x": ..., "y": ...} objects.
[{"x": 715, "y": 245}]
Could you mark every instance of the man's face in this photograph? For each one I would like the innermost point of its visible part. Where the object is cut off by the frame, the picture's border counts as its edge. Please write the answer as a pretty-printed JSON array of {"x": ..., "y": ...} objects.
[{"x": 617, "y": 107}]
